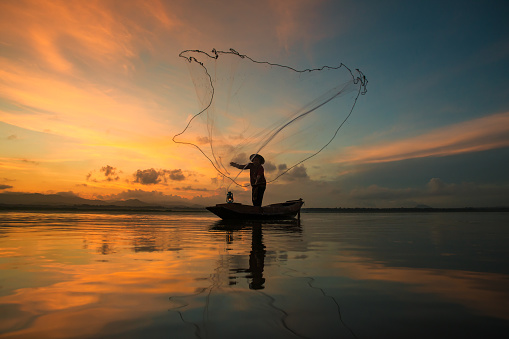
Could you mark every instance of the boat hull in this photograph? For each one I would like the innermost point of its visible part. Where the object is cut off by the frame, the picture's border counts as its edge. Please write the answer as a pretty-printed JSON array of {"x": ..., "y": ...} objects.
[{"x": 281, "y": 211}]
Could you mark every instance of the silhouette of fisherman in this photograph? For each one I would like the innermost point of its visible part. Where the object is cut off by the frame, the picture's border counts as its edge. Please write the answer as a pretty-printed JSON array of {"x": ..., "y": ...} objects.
[{"x": 257, "y": 176}]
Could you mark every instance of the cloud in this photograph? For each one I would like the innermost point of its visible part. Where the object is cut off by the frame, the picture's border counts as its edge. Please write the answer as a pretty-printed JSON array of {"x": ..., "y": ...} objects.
[
  {"x": 383, "y": 194},
  {"x": 438, "y": 187},
  {"x": 296, "y": 173},
  {"x": 65, "y": 34},
  {"x": 12, "y": 137},
  {"x": 176, "y": 175},
  {"x": 151, "y": 176},
  {"x": 31, "y": 162},
  {"x": 202, "y": 140},
  {"x": 436, "y": 193},
  {"x": 147, "y": 177},
  {"x": 241, "y": 158},
  {"x": 486, "y": 133},
  {"x": 192, "y": 189},
  {"x": 4, "y": 187},
  {"x": 110, "y": 173},
  {"x": 269, "y": 166},
  {"x": 108, "y": 170}
]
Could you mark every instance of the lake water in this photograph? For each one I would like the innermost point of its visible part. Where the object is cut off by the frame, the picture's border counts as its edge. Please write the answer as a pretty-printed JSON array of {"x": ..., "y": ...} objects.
[{"x": 185, "y": 275}]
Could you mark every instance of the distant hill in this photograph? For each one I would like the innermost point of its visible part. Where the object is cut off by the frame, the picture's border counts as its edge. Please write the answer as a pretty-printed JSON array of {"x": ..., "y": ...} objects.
[
  {"x": 423, "y": 206},
  {"x": 54, "y": 200},
  {"x": 66, "y": 201},
  {"x": 44, "y": 199}
]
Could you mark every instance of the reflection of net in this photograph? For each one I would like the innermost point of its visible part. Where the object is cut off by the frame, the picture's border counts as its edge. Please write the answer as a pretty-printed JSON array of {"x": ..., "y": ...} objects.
[{"x": 247, "y": 107}]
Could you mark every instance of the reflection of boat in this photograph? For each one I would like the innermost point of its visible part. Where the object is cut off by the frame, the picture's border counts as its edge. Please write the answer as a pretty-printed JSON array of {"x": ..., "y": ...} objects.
[
  {"x": 281, "y": 211},
  {"x": 284, "y": 225}
]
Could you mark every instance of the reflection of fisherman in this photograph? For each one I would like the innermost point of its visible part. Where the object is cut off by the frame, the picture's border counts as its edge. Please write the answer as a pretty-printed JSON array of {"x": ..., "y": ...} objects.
[
  {"x": 256, "y": 259},
  {"x": 257, "y": 177}
]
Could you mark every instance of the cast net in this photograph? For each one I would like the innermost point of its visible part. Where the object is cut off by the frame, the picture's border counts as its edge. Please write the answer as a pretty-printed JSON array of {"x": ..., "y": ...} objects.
[{"x": 247, "y": 106}]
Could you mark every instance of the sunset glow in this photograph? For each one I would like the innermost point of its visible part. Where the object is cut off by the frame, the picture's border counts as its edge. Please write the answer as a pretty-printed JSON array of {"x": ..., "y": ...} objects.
[{"x": 91, "y": 85}]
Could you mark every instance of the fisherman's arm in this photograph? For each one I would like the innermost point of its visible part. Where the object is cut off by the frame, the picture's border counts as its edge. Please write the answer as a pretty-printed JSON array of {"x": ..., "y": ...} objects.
[{"x": 234, "y": 164}]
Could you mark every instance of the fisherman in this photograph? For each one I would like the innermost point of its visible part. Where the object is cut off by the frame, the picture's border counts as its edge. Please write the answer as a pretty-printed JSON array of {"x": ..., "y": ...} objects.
[{"x": 257, "y": 177}]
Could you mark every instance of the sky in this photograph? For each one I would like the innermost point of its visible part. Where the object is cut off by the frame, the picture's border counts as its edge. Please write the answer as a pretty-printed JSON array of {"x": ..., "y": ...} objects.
[{"x": 92, "y": 93}]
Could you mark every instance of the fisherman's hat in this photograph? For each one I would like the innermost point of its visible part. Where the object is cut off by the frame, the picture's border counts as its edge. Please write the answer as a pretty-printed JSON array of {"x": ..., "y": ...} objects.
[{"x": 253, "y": 156}]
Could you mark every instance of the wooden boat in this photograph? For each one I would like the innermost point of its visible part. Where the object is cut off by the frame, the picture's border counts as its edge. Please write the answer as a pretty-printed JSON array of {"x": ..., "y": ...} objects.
[{"x": 236, "y": 211}]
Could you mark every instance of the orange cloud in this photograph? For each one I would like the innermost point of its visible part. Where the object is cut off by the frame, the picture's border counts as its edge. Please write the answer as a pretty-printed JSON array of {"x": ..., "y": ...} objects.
[
  {"x": 476, "y": 135},
  {"x": 62, "y": 33}
]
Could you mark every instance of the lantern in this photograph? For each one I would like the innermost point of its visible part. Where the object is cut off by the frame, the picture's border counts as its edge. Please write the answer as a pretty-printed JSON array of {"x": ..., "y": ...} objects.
[{"x": 229, "y": 197}]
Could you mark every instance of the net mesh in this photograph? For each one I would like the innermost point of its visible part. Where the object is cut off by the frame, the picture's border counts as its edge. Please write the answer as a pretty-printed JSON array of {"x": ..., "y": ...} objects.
[{"x": 247, "y": 106}]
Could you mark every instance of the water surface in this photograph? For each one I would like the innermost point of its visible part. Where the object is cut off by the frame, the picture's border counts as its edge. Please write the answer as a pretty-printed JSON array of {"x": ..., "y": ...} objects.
[{"x": 184, "y": 275}]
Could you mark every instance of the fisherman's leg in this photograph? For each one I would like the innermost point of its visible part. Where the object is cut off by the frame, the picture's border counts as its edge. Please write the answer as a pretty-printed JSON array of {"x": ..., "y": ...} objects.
[
  {"x": 261, "y": 191},
  {"x": 254, "y": 196}
]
